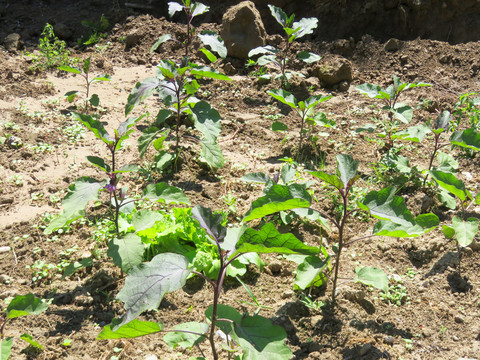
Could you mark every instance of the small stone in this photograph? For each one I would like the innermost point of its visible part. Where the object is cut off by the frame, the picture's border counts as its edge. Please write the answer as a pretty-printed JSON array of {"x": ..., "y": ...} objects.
[
  {"x": 287, "y": 294},
  {"x": 333, "y": 71},
  {"x": 83, "y": 300},
  {"x": 4, "y": 249},
  {"x": 229, "y": 69},
  {"x": 389, "y": 340},
  {"x": 392, "y": 45},
  {"x": 365, "y": 349},
  {"x": 150, "y": 357},
  {"x": 467, "y": 251},
  {"x": 343, "y": 86},
  {"x": 459, "y": 319},
  {"x": 275, "y": 267},
  {"x": 12, "y": 42}
]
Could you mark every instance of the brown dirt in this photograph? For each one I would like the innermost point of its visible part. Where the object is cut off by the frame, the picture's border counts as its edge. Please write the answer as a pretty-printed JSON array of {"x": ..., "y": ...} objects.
[{"x": 440, "y": 317}]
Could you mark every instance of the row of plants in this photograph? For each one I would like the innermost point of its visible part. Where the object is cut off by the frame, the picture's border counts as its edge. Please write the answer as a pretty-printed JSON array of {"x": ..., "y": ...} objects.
[{"x": 159, "y": 248}]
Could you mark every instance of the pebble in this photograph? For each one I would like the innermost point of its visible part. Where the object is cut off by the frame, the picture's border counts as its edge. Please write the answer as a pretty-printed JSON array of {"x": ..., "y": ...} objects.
[
  {"x": 389, "y": 340},
  {"x": 150, "y": 357},
  {"x": 4, "y": 249},
  {"x": 459, "y": 319}
]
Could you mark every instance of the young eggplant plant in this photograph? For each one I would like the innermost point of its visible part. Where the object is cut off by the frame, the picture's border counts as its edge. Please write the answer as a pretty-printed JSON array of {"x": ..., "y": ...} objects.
[
  {"x": 84, "y": 71},
  {"x": 395, "y": 221},
  {"x": 305, "y": 109},
  {"x": 176, "y": 85},
  {"x": 208, "y": 38},
  {"x": 293, "y": 30},
  {"x": 253, "y": 336},
  {"x": 396, "y": 112},
  {"x": 21, "y": 305}
]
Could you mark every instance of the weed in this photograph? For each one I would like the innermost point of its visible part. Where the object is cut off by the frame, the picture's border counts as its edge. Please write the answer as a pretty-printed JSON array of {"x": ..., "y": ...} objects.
[{"x": 96, "y": 31}]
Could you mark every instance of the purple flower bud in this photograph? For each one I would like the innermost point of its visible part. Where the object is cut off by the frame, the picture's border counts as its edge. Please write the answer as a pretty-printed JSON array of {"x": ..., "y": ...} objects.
[{"x": 110, "y": 188}]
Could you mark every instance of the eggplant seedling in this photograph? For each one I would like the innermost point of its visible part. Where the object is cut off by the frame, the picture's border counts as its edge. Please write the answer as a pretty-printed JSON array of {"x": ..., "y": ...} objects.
[{"x": 84, "y": 71}]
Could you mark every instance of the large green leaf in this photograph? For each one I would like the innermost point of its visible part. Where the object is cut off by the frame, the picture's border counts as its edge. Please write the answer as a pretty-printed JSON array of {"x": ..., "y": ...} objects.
[
  {"x": 215, "y": 42},
  {"x": 29, "y": 339},
  {"x": 148, "y": 135},
  {"x": 468, "y": 138},
  {"x": 268, "y": 49},
  {"x": 257, "y": 177},
  {"x": 279, "y": 15},
  {"x": 308, "y": 57},
  {"x": 99, "y": 162},
  {"x": 198, "y": 8},
  {"x": 333, "y": 180},
  {"x": 191, "y": 334},
  {"x": 413, "y": 133},
  {"x": 465, "y": 230},
  {"x": 450, "y": 183},
  {"x": 309, "y": 272},
  {"x": 162, "y": 192},
  {"x": 260, "y": 340},
  {"x": 140, "y": 92},
  {"x": 145, "y": 219},
  {"x": 6, "y": 347},
  {"x": 133, "y": 329},
  {"x": 160, "y": 41},
  {"x": 211, "y": 223},
  {"x": 269, "y": 240},
  {"x": 207, "y": 120},
  {"x": 385, "y": 205},
  {"x": 305, "y": 26},
  {"x": 372, "y": 276},
  {"x": 147, "y": 283},
  {"x": 126, "y": 251},
  {"x": 279, "y": 198},
  {"x": 446, "y": 163},
  {"x": 70, "y": 69},
  {"x": 124, "y": 130},
  {"x": 207, "y": 72},
  {"x": 423, "y": 224},
  {"x": 22, "y": 305},
  {"x": 211, "y": 154},
  {"x": 174, "y": 7},
  {"x": 284, "y": 97},
  {"x": 403, "y": 113},
  {"x": 224, "y": 312},
  {"x": 372, "y": 91},
  {"x": 347, "y": 169},
  {"x": 95, "y": 126}
]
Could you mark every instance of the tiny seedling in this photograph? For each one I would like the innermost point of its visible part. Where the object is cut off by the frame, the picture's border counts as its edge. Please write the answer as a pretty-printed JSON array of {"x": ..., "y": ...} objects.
[
  {"x": 208, "y": 38},
  {"x": 305, "y": 109},
  {"x": 147, "y": 283},
  {"x": 176, "y": 85},
  {"x": 396, "y": 112},
  {"x": 467, "y": 109},
  {"x": 293, "y": 30},
  {"x": 96, "y": 31},
  {"x": 21, "y": 305},
  {"x": 94, "y": 100}
]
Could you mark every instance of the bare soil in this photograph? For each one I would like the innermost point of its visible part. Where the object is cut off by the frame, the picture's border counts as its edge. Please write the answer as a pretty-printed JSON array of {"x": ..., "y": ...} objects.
[{"x": 439, "y": 320}]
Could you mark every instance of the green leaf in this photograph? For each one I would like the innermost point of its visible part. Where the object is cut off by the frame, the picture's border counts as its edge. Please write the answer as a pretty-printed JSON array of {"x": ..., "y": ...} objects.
[
  {"x": 443, "y": 120},
  {"x": 448, "y": 231},
  {"x": 284, "y": 97},
  {"x": 6, "y": 347},
  {"x": 162, "y": 160},
  {"x": 77, "y": 265},
  {"x": 477, "y": 199},
  {"x": 162, "y": 192},
  {"x": 71, "y": 95},
  {"x": 257, "y": 177},
  {"x": 210, "y": 38},
  {"x": 279, "y": 198},
  {"x": 70, "y": 69},
  {"x": 198, "y": 8},
  {"x": 211, "y": 154},
  {"x": 160, "y": 41},
  {"x": 446, "y": 199},
  {"x": 446, "y": 163},
  {"x": 187, "y": 340},
  {"x": 468, "y": 139},
  {"x": 173, "y": 7},
  {"x": 372, "y": 91},
  {"x": 94, "y": 100},
  {"x": 265, "y": 60},
  {"x": 147, "y": 283},
  {"x": 224, "y": 312},
  {"x": 385, "y": 205},
  {"x": 262, "y": 50},
  {"x": 126, "y": 251},
  {"x": 450, "y": 183},
  {"x": 140, "y": 92},
  {"x": 308, "y": 57},
  {"x": 22, "y": 305},
  {"x": 79, "y": 195},
  {"x": 309, "y": 272},
  {"x": 260, "y": 340},
  {"x": 268, "y": 240},
  {"x": 305, "y": 27},
  {"x": 210, "y": 56},
  {"x": 148, "y": 135},
  {"x": 279, "y": 15},
  {"x": 99, "y": 162},
  {"x": 211, "y": 223},
  {"x": 403, "y": 113},
  {"x": 105, "y": 77},
  {"x": 207, "y": 72},
  {"x": 279, "y": 126},
  {"x": 413, "y": 133},
  {"x": 423, "y": 224},
  {"x": 29, "y": 339},
  {"x": 372, "y": 276},
  {"x": 347, "y": 169},
  {"x": 206, "y": 120},
  {"x": 329, "y": 179},
  {"x": 465, "y": 230},
  {"x": 93, "y": 125},
  {"x": 145, "y": 219},
  {"x": 133, "y": 329}
]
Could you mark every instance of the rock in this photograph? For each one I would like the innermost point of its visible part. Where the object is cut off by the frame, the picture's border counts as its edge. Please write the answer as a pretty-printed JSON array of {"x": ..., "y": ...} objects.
[
  {"x": 83, "y": 300},
  {"x": 242, "y": 29},
  {"x": 12, "y": 42},
  {"x": 275, "y": 267},
  {"x": 344, "y": 47},
  {"x": 285, "y": 295},
  {"x": 62, "y": 31},
  {"x": 343, "y": 86},
  {"x": 334, "y": 71},
  {"x": 150, "y": 357},
  {"x": 14, "y": 142},
  {"x": 229, "y": 69},
  {"x": 459, "y": 319},
  {"x": 389, "y": 340},
  {"x": 132, "y": 39},
  {"x": 392, "y": 45},
  {"x": 4, "y": 249},
  {"x": 365, "y": 349}
]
